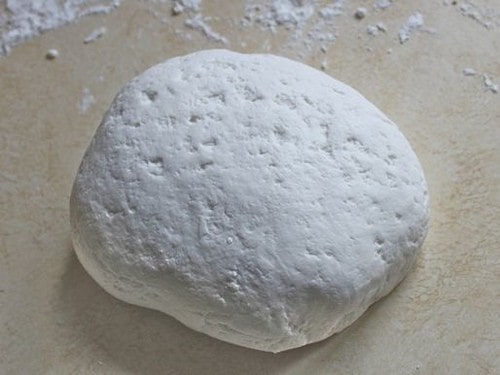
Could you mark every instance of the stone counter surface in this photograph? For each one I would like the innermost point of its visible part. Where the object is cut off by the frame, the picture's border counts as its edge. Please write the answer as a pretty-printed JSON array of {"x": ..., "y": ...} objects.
[{"x": 443, "y": 318}]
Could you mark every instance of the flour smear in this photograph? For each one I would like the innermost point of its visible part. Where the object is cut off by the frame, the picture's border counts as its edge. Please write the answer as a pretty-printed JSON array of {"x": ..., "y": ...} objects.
[
  {"x": 305, "y": 28},
  {"x": 21, "y": 20}
]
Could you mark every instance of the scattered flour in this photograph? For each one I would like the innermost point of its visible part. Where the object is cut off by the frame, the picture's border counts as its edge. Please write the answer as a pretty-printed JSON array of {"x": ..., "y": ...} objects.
[
  {"x": 489, "y": 84},
  {"x": 381, "y": 26},
  {"x": 307, "y": 26},
  {"x": 412, "y": 24},
  {"x": 487, "y": 17},
  {"x": 332, "y": 10},
  {"x": 290, "y": 13},
  {"x": 469, "y": 72},
  {"x": 94, "y": 35},
  {"x": 198, "y": 22},
  {"x": 372, "y": 30},
  {"x": 382, "y": 4},
  {"x": 22, "y": 20},
  {"x": 87, "y": 101},
  {"x": 376, "y": 29},
  {"x": 179, "y": 6},
  {"x": 295, "y": 18}
]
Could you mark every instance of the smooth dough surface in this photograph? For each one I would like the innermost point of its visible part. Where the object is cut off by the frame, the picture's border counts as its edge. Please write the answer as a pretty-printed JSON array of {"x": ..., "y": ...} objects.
[{"x": 251, "y": 197}]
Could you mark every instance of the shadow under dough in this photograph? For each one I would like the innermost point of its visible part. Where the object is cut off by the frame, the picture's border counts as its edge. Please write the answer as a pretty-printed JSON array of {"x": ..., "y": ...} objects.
[{"x": 145, "y": 341}]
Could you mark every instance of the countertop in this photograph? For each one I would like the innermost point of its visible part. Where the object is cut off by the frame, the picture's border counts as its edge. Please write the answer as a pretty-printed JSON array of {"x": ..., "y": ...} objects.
[{"x": 444, "y": 317}]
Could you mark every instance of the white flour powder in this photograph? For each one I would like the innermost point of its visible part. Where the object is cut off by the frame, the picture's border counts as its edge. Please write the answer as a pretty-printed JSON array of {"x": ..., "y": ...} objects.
[
  {"x": 290, "y": 13},
  {"x": 180, "y": 6},
  {"x": 487, "y": 17},
  {"x": 94, "y": 35},
  {"x": 412, "y": 24},
  {"x": 308, "y": 26},
  {"x": 86, "y": 101},
  {"x": 198, "y": 23},
  {"x": 489, "y": 84},
  {"x": 21, "y": 20}
]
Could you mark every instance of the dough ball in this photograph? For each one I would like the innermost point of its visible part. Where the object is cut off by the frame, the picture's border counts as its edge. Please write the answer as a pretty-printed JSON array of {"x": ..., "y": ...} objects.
[{"x": 251, "y": 197}]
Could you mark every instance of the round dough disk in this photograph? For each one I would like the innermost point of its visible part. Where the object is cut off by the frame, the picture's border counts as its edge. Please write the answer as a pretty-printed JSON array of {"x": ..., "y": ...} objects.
[{"x": 251, "y": 197}]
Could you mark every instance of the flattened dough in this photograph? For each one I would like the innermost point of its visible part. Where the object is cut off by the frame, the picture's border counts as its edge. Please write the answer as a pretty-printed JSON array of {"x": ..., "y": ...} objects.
[{"x": 251, "y": 197}]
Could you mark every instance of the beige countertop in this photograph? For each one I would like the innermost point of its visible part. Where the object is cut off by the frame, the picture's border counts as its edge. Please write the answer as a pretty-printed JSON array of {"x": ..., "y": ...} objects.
[{"x": 443, "y": 319}]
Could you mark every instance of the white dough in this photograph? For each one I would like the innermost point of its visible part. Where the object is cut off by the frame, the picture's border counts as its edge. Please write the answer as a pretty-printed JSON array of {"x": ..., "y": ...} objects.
[{"x": 253, "y": 198}]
